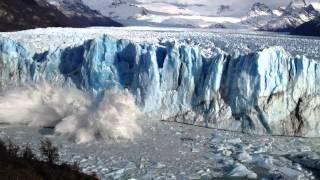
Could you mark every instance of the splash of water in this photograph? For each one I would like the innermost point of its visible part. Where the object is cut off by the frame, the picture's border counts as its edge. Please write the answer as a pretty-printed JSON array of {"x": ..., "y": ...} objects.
[
  {"x": 114, "y": 118},
  {"x": 72, "y": 112}
]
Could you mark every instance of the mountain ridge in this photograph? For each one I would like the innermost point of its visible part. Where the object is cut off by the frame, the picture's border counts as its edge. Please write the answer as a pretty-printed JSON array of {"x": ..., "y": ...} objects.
[
  {"x": 28, "y": 14},
  {"x": 280, "y": 20},
  {"x": 311, "y": 28}
]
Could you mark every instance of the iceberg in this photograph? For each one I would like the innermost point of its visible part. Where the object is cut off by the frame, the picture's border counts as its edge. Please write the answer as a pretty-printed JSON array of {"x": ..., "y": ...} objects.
[{"x": 265, "y": 92}]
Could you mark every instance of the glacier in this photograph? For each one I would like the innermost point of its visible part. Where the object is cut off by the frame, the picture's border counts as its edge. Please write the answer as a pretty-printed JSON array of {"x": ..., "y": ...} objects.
[{"x": 268, "y": 91}]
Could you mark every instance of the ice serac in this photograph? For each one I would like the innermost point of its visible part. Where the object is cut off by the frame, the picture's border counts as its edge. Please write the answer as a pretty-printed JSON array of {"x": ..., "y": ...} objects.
[
  {"x": 267, "y": 92},
  {"x": 14, "y": 63}
]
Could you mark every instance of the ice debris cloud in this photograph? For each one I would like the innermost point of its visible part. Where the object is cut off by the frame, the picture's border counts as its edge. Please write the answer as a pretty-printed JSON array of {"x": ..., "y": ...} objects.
[
  {"x": 114, "y": 118},
  {"x": 40, "y": 105},
  {"x": 72, "y": 112},
  {"x": 266, "y": 92}
]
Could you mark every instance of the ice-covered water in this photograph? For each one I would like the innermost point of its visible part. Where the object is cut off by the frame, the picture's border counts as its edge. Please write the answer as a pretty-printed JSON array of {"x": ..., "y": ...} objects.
[{"x": 178, "y": 151}]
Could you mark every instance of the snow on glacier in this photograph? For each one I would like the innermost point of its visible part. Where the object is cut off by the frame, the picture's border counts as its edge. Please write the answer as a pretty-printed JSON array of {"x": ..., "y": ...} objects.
[
  {"x": 258, "y": 89},
  {"x": 40, "y": 40}
]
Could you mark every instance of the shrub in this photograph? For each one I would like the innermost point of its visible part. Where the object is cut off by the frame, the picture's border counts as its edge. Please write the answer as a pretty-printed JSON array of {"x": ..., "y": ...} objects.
[
  {"x": 75, "y": 166},
  {"x": 27, "y": 153},
  {"x": 3, "y": 147},
  {"x": 12, "y": 149},
  {"x": 49, "y": 152},
  {"x": 25, "y": 165}
]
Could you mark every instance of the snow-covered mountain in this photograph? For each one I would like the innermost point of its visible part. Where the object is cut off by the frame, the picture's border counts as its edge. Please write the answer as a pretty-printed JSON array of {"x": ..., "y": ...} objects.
[
  {"x": 74, "y": 8},
  {"x": 259, "y": 15},
  {"x": 199, "y": 14},
  {"x": 18, "y": 15},
  {"x": 291, "y": 18},
  {"x": 118, "y": 9},
  {"x": 79, "y": 11},
  {"x": 282, "y": 19},
  {"x": 165, "y": 13},
  {"x": 267, "y": 16},
  {"x": 180, "y": 13},
  {"x": 260, "y": 9},
  {"x": 311, "y": 28}
]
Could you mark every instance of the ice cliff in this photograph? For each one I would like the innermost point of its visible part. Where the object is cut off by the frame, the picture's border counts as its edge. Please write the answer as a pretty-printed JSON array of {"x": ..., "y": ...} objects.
[{"x": 266, "y": 92}]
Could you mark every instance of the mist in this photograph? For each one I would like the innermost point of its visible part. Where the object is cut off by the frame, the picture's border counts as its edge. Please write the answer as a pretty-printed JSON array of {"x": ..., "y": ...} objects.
[{"x": 72, "y": 112}]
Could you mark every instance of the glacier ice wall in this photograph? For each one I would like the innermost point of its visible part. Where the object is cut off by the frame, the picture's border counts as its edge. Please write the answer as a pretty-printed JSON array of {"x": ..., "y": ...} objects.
[{"x": 267, "y": 92}]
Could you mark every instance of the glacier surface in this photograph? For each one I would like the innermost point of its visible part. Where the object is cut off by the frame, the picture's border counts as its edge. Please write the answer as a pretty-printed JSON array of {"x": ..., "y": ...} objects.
[{"x": 268, "y": 91}]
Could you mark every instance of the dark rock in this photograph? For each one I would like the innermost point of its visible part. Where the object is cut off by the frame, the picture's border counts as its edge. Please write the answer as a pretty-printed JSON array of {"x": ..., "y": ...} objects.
[
  {"x": 27, "y": 14},
  {"x": 311, "y": 28}
]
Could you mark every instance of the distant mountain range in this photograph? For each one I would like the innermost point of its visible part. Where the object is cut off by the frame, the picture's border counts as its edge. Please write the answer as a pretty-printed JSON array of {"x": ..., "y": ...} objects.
[
  {"x": 311, "y": 28},
  {"x": 163, "y": 13},
  {"x": 284, "y": 19},
  {"x": 26, "y": 14},
  {"x": 295, "y": 17}
]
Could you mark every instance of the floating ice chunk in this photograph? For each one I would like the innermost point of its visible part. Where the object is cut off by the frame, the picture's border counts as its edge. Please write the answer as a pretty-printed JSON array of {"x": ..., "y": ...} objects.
[
  {"x": 160, "y": 165},
  {"x": 244, "y": 157},
  {"x": 217, "y": 138},
  {"x": 291, "y": 173},
  {"x": 234, "y": 141},
  {"x": 240, "y": 170},
  {"x": 120, "y": 173},
  {"x": 308, "y": 159},
  {"x": 263, "y": 161},
  {"x": 261, "y": 149},
  {"x": 195, "y": 149}
]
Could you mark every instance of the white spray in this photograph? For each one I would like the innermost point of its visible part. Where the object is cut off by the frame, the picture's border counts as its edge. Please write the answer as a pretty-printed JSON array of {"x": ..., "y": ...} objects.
[{"x": 72, "y": 112}]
